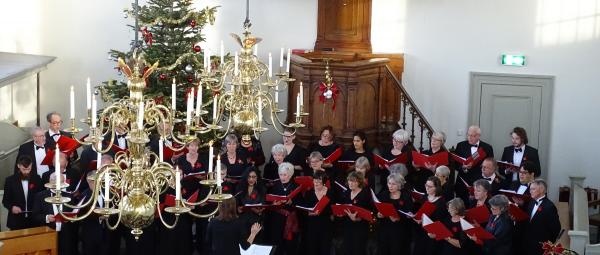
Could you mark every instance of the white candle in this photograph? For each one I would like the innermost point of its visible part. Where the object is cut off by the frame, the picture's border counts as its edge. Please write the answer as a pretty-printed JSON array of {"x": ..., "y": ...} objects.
[
  {"x": 161, "y": 145},
  {"x": 140, "y": 119},
  {"x": 106, "y": 187},
  {"x": 270, "y": 65},
  {"x": 281, "y": 59},
  {"x": 99, "y": 156},
  {"x": 188, "y": 113},
  {"x": 72, "y": 97},
  {"x": 301, "y": 94},
  {"x": 260, "y": 110},
  {"x": 177, "y": 184},
  {"x": 198, "y": 100},
  {"x": 219, "y": 171},
  {"x": 277, "y": 93},
  {"x": 289, "y": 59},
  {"x": 210, "y": 158},
  {"x": 173, "y": 95},
  {"x": 298, "y": 105},
  {"x": 222, "y": 53},
  {"x": 215, "y": 109},
  {"x": 236, "y": 64},
  {"x": 57, "y": 168},
  {"x": 256, "y": 50},
  {"x": 88, "y": 94},
  {"x": 94, "y": 106}
]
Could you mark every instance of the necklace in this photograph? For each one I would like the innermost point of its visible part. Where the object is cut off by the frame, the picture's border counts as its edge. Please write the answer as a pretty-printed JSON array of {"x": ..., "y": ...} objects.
[{"x": 285, "y": 186}]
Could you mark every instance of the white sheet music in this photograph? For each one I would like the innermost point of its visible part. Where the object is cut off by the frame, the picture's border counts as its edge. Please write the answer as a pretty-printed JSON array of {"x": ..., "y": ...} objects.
[{"x": 256, "y": 250}]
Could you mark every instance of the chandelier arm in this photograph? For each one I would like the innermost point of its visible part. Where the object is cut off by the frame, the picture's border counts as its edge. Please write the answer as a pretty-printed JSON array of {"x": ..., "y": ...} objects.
[
  {"x": 160, "y": 214},
  {"x": 82, "y": 142},
  {"x": 113, "y": 227},
  {"x": 204, "y": 215},
  {"x": 204, "y": 200},
  {"x": 92, "y": 199}
]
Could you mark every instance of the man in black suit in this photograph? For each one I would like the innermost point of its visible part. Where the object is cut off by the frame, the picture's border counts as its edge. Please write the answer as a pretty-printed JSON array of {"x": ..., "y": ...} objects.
[
  {"x": 518, "y": 153},
  {"x": 45, "y": 214},
  {"x": 36, "y": 150},
  {"x": 544, "y": 224},
  {"x": 489, "y": 173},
  {"x": 471, "y": 172},
  {"x": 55, "y": 132},
  {"x": 19, "y": 192},
  {"x": 526, "y": 177}
]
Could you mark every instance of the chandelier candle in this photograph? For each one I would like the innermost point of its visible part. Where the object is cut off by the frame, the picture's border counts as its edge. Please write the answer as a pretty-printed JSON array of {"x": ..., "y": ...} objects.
[
  {"x": 298, "y": 105},
  {"x": 88, "y": 94},
  {"x": 177, "y": 184},
  {"x": 281, "y": 59},
  {"x": 140, "y": 119},
  {"x": 198, "y": 100},
  {"x": 99, "y": 157},
  {"x": 106, "y": 187},
  {"x": 270, "y": 66},
  {"x": 259, "y": 112},
  {"x": 219, "y": 171},
  {"x": 173, "y": 95},
  {"x": 161, "y": 145},
  {"x": 57, "y": 169},
  {"x": 222, "y": 53},
  {"x": 210, "y": 156},
  {"x": 289, "y": 57},
  {"x": 190, "y": 103},
  {"x": 215, "y": 108},
  {"x": 72, "y": 97},
  {"x": 94, "y": 107},
  {"x": 301, "y": 94},
  {"x": 256, "y": 50}
]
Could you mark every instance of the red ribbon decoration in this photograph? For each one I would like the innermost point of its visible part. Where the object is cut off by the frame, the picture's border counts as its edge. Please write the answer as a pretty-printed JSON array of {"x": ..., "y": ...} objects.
[
  {"x": 552, "y": 249},
  {"x": 334, "y": 93},
  {"x": 147, "y": 36}
]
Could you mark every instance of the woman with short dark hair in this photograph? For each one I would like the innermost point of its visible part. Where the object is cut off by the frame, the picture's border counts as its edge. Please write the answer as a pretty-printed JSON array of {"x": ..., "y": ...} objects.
[{"x": 501, "y": 226}]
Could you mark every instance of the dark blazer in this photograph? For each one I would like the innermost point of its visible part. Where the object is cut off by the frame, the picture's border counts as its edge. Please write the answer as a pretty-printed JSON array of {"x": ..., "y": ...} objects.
[
  {"x": 529, "y": 154},
  {"x": 544, "y": 226},
  {"x": 29, "y": 150},
  {"x": 95, "y": 235},
  {"x": 15, "y": 196},
  {"x": 463, "y": 149},
  {"x": 41, "y": 208},
  {"x": 502, "y": 229}
]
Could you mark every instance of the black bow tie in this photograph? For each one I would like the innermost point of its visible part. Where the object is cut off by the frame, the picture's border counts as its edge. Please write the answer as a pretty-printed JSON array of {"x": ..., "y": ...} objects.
[
  {"x": 487, "y": 178},
  {"x": 538, "y": 202},
  {"x": 39, "y": 147},
  {"x": 122, "y": 136},
  {"x": 518, "y": 150},
  {"x": 474, "y": 145},
  {"x": 55, "y": 135}
]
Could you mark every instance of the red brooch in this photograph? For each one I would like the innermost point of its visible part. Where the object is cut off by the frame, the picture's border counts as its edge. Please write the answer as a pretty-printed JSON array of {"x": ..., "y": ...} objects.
[
  {"x": 198, "y": 165},
  {"x": 31, "y": 185},
  {"x": 183, "y": 191},
  {"x": 454, "y": 229},
  {"x": 539, "y": 209},
  {"x": 253, "y": 196},
  {"x": 401, "y": 202},
  {"x": 225, "y": 188},
  {"x": 250, "y": 149}
]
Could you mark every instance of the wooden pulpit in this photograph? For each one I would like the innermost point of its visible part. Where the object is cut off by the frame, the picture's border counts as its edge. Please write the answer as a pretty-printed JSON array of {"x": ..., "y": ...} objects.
[{"x": 40, "y": 241}]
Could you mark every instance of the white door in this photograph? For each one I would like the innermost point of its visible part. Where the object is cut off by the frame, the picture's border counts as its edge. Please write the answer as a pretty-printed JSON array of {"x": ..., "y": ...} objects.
[{"x": 501, "y": 102}]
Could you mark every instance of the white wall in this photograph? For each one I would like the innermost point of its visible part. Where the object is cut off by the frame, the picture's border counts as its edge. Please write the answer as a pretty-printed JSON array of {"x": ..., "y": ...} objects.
[{"x": 445, "y": 40}]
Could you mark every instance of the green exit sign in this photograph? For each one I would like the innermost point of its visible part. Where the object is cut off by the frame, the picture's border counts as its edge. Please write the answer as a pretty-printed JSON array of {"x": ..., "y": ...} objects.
[{"x": 513, "y": 60}]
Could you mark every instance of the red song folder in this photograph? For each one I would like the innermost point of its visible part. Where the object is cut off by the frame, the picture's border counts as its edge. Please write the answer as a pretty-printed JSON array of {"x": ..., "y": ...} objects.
[
  {"x": 416, "y": 195},
  {"x": 345, "y": 165},
  {"x": 508, "y": 166},
  {"x": 479, "y": 214},
  {"x": 517, "y": 213},
  {"x": 318, "y": 208},
  {"x": 475, "y": 158},
  {"x": 334, "y": 156},
  {"x": 387, "y": 210},
  {"x": 478, "y": 232},
  {"x": 67, "y": 144},
  {"x": 384, "y": 163},
  {"x": 306, "y": 182},
  {"x": 426, "y": 209},
  {"x": 469, "y": 187},
  {"x": 339, "y": 211},
  {"x": 437, "y": 159},
  {"x": 514, "y": 196},
  {"x": 436, "y": 228},
  {"x": 273, "y": 197}
]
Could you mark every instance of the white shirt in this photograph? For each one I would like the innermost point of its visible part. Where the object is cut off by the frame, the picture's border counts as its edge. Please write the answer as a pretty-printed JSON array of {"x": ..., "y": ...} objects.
[
  {"x": 39, "y": 157},
  {"x": 517, "y": 158},
  {"x": 536, "y": 206},
  {"x": 473, "y": 148},
  {"x": 122, "y": 142},
  {"x": 491, "y": 178},
  {"x": 52, "y": 135},
  {"x": 25, "y": 184},
  {"x": 522, "y": 189},
  {"x": 55, "y": 211}
]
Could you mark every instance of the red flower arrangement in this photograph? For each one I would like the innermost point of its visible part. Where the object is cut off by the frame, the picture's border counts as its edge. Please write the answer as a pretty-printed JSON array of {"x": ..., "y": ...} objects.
[
  {"x": 550, "y": 248},
  {"x": 198, "y": 165},
  {"x": 328, "y": 92},
  {"x": 31, "y": 185}
]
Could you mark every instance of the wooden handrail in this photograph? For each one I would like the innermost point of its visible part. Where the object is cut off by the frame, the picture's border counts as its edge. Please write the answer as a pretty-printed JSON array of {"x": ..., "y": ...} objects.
[{"x": 416, "y": 116}]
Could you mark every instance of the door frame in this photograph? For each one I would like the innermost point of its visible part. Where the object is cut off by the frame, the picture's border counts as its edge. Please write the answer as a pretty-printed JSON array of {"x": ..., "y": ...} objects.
[{"x": 546, "y": 82}]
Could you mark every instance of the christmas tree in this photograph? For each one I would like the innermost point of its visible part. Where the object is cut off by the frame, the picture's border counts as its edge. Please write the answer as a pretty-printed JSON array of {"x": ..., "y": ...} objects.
[{"x": 170, "y": 35}]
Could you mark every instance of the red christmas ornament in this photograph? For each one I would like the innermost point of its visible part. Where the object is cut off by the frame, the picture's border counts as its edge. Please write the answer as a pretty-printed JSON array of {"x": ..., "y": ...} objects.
[
  {"x": 197, "y": 48},
  {"x": 162, "y": 76},
  {"x": 193, "y": 23},
  {"x": 190, "y": 79}
]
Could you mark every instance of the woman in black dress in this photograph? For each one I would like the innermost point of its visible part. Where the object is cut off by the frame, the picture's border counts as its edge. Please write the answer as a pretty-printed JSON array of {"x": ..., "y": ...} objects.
[
  {"x": 400, "y": 152},
  {"x": 226, "y": 233},
  {"x": 326, "y": 145},
  {"x": 362, "y": 165},
  {"x": 282, "y": 222},
  {"x": 296, "y": 154},
  {"x": 251, "y": 191},
  {"x": 393, "y": 235},
  {"x": 252, "y": 148},
  {"x": 443, "y": 173},
  {"x": 424, "y": 245},
  {"x": 233, "y": 158},
  {"x": 458, "y": 243},
  {"x": 359, "y": 149},
  {"x": 319, "y": 227},
  {"x": 436, "y": 146},
  {"x": 356, "y": 230},
  {"x": 271, "y": 170},
  {"x": 501, "y": 226}
]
